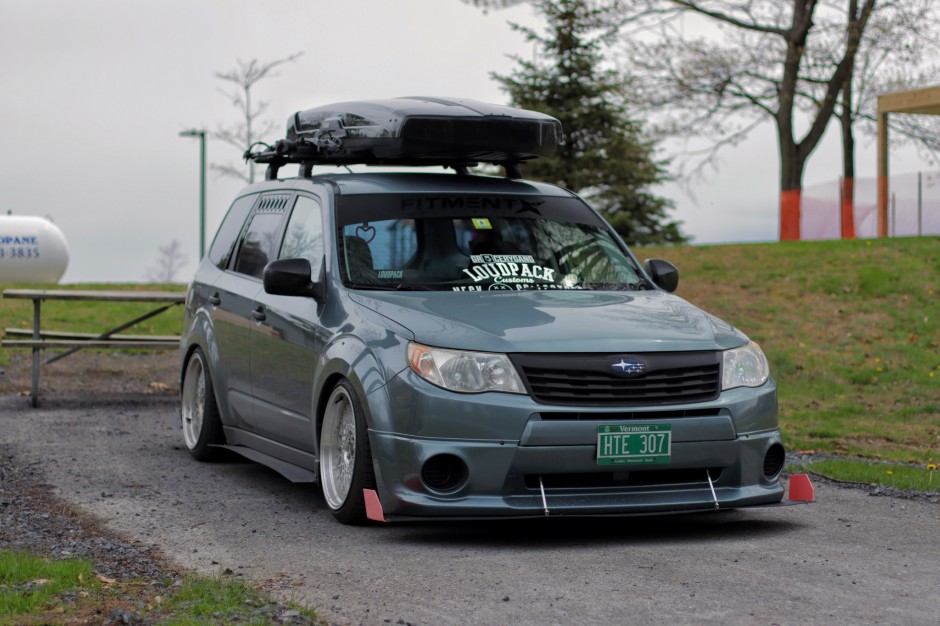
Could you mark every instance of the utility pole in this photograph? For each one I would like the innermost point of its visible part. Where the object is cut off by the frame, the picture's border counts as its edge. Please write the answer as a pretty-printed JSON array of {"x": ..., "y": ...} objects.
[{"x": 202, "y": 186}]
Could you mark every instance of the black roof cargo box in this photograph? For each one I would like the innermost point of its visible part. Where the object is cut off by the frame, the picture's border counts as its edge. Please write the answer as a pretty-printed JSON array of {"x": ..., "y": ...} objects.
[{"x": 414, "y": 131}]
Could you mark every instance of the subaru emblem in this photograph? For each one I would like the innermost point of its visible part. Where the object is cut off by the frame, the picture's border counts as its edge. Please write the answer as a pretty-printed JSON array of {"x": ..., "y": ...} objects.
[{"x": 630, "y": 368}]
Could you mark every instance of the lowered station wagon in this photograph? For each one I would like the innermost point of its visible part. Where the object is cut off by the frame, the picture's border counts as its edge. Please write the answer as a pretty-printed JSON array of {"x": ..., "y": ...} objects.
[{"x": 454, "y": 345}]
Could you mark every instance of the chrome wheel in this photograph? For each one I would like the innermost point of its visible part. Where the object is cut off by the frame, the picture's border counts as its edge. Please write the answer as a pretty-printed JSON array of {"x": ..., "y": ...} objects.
[
  {"x": 202, "y": 427},
  {"x": 193, "y": 404},
  {"x": 338, "y": 448}
]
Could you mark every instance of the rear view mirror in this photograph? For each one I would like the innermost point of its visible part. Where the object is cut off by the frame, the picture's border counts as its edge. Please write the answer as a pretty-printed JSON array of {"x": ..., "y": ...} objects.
[{"x": 663, "y": 273}]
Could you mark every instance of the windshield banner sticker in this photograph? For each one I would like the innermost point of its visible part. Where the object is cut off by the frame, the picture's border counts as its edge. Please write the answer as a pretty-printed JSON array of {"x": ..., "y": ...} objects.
[
  {"x": 502, "y": 258},
  {"x": 504, "y": 273}
]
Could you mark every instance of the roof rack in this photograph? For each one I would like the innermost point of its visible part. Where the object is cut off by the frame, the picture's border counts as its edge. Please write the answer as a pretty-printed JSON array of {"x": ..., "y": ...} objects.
[{"x": 455, "y": 133}]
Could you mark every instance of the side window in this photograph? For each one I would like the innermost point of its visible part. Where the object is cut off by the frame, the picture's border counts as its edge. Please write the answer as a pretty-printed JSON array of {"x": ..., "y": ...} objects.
[
  {"x": 221, "y": 250},
  {"x": 258, "y": 243},
  {"x": 303, "y": 238}
]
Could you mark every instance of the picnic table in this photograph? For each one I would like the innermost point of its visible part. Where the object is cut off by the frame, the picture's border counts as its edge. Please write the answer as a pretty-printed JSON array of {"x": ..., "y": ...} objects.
[{"x": 71, "y": 342}]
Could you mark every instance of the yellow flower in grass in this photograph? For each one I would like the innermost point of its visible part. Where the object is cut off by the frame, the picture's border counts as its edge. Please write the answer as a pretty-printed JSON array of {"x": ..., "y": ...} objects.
[
  {"x": 890, "y": 473},
  {"x": 931, "y": 467}
]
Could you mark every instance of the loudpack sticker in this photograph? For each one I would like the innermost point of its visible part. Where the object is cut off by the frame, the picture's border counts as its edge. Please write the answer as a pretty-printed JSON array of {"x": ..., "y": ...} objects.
[
  {"x": 517, "y": 272},
  {"x": 510, "y": 273}
]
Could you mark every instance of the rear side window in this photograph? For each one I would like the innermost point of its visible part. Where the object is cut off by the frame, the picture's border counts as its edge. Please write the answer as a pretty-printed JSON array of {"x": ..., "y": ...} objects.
[
  {"x": 221, "y": 250},
  {"x": 259, "y": 241},
  {"x": 303, "y": 238}
]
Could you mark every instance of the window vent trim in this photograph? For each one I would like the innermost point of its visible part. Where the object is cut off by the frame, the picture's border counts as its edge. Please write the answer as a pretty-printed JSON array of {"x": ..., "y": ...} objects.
[{"x": 273, "y": 203}]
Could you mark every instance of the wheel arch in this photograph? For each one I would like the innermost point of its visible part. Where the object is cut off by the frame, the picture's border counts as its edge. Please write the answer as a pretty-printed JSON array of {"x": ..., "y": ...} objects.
[
  {"x": 201, "y": 335},
  {"x": 351, "y": 359}
]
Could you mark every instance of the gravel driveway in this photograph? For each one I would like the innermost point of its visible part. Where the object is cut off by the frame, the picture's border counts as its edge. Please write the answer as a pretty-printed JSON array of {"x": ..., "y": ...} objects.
[{"x": 849, "y": 558}]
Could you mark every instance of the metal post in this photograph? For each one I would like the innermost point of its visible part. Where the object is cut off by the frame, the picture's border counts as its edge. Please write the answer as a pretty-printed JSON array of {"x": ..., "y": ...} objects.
[
  {"x": 202, "y": 194},
  {"x": 920, "y": 206},
  {"x": 202, "y": 186},
  {"x": 882, "y": 172},
  {"x": 894, "y": 216},
  {"x": 37, "y": 335},
  {"x": 841, "y": 211}
]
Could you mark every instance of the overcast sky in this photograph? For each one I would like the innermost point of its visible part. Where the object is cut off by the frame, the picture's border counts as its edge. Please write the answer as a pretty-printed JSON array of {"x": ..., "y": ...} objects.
[{"x": 94, "y": 93}]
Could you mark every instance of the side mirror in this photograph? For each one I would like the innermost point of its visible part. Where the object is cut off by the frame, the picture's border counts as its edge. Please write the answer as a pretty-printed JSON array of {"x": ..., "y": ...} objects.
[
  {"x": 663, "y": 273},
  {"x": 291, "y": 277}
]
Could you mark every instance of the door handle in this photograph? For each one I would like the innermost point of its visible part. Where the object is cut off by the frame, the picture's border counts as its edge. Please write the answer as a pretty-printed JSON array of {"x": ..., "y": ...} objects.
[
  {"x": 258, "y": 314},
  {"x": 215, "y": 299}
]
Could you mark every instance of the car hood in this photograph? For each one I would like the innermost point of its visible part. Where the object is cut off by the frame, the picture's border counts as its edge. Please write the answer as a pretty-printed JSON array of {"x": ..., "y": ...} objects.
[{"x": 554, "y": 321}]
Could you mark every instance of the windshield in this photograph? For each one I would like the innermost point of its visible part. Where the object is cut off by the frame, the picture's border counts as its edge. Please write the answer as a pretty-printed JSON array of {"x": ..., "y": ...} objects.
[{"x": 469, "y": 243}]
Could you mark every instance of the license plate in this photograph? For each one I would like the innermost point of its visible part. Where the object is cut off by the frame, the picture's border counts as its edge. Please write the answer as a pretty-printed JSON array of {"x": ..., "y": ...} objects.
[{"x": 627, "y": 444}]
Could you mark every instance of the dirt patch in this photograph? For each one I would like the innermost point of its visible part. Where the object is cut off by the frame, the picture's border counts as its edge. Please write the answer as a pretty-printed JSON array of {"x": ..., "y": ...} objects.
[{"x": 87, "y": 375}]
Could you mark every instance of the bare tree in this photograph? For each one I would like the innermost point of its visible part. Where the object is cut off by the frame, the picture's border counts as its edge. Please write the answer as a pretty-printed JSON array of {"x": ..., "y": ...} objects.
[
  {"x": 798, "y": 63},
  {"x": 898, "y": 53},
  {"x": 891, "y": 56},
  {"x": 252, "y": 126},
  {"x": 783, "y": 60},
  {"x": 169, "y": 262}
]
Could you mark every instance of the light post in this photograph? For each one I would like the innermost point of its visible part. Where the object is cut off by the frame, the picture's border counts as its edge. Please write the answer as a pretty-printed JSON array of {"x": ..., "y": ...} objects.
[{"x": 202, "y": 186}]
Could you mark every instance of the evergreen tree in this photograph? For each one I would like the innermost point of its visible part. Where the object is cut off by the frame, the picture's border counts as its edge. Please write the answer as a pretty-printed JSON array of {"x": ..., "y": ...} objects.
[{"x": 604, "y": 158}]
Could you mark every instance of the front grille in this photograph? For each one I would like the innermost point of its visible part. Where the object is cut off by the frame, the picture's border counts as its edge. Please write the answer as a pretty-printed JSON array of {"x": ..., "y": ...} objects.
[{"x": 590, "y": 380}]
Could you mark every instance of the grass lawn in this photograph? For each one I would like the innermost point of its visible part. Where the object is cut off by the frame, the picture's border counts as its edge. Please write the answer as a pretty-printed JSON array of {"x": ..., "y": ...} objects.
[
  {"x": 81, "y": 316},
  {"x": 35, "y": 590},
  {"x": 851, "y": 330}
]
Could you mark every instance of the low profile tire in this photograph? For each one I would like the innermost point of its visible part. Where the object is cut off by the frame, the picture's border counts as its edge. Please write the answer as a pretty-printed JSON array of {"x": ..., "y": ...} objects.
[
  {"x": 345, "y": 456},
  {"x": 202, "y": 427}
]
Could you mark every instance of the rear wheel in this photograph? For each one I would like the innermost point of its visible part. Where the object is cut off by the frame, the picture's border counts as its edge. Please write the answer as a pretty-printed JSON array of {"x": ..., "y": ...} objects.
[
  {"x": 202, "y": 427},
  {"x": 345, "y": 456}
]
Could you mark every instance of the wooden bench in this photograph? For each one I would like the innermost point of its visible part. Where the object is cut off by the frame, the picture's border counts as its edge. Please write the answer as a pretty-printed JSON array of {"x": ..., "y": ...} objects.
[{"x": 39, "y": 340}]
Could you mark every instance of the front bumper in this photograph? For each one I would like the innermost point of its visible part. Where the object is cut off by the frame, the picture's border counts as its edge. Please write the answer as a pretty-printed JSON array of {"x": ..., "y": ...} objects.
[
  {"x": 503, "y": 480},
  {"x": 523, "y": 459}
]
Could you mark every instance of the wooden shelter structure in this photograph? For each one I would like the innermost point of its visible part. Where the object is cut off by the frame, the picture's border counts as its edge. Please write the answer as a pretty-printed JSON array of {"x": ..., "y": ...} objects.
[{"x": 924, "y": 101}]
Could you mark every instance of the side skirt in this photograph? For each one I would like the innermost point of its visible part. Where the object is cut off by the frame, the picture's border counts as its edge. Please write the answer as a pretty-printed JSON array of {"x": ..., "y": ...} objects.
[{"x": 294, "y": 465}]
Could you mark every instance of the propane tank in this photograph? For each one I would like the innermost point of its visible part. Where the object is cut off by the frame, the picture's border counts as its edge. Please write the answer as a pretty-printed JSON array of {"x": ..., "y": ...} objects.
[{"x": 32, "y": 250}]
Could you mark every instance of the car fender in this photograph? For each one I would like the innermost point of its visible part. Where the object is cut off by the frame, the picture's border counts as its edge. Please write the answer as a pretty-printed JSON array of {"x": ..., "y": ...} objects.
[
  {"x": 202, "y": 335},
  {"x": 348, "y": 356}
]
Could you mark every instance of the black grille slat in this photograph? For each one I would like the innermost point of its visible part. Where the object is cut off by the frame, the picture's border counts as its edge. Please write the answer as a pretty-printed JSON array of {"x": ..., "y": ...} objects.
[
  {"x": 629, "y": 415},
  {"x": 671, "y": 378}
]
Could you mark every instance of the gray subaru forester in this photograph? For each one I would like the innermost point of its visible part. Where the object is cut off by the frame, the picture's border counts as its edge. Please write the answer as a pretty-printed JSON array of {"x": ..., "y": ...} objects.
[{"x": 451, "y": 345}]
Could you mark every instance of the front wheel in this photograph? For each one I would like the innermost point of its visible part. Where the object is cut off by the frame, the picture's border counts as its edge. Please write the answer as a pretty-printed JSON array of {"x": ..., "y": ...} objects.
[
  {"x": 202, "y": 428},
  {"x": 345, "y": 456}
]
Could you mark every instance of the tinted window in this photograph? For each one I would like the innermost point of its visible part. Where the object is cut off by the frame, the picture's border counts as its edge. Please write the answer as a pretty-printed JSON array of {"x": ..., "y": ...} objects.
[
  {"x": 257, "y": 246},
  {"x": 476, "y": 244},
  {"x": 303, "y": 238},
  {"x": 224, "y": 242}
]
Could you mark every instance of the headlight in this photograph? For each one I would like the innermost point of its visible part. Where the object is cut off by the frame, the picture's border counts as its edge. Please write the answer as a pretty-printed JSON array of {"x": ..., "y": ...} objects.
[
  {"x": 744, "y": 367},
  {"x": 467, "y": 372}
]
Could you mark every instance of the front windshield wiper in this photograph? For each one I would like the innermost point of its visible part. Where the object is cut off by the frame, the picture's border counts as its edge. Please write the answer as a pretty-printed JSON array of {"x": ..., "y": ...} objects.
[
  {"x": 639, "y": 286},
  {"x": 412, "y": 287}
]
